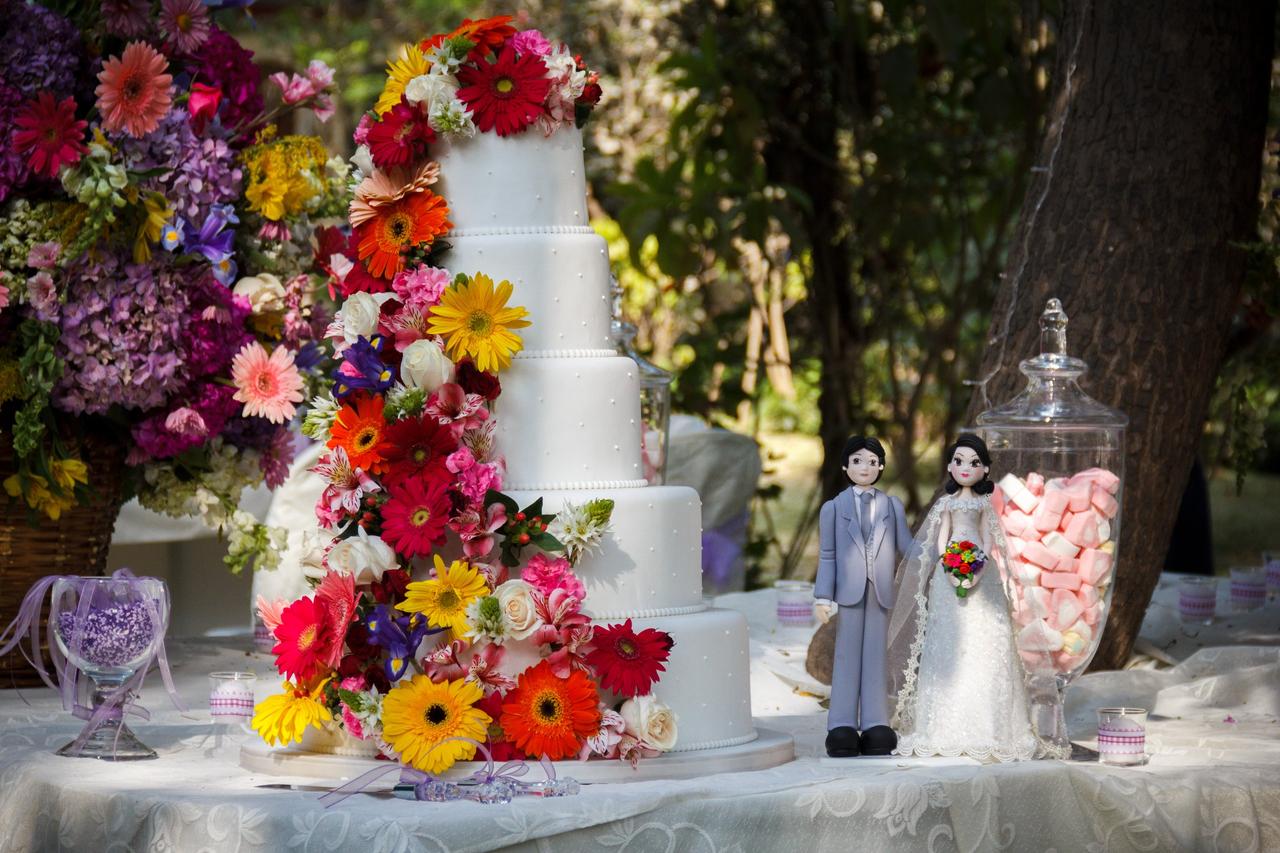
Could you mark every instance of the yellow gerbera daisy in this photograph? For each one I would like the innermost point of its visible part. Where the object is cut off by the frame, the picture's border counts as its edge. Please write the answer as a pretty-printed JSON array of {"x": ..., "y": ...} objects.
[
  {"x": 283, "y": 718},
  {"x": 410, "y": 63},
  {"x": 444, "y": 598},
  {"x": 420, "y": 717},
  {"x": 475, "y": 321}
]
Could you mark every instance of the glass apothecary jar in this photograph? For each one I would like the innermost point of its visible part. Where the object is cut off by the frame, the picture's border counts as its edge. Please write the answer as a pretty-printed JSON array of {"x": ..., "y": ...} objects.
[{"x": 1058, "y": 459}]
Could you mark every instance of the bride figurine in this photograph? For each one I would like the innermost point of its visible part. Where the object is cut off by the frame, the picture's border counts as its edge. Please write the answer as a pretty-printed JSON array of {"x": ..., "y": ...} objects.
[{"x": 958, "y": 677}]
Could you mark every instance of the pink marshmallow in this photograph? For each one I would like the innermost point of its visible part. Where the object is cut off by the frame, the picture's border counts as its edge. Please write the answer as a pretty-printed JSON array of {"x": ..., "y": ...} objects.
[
  {"x": 1017, "y": 493},
  {"x": 1026, "y": 573},
  {"x": 1039, "y": 637},
  {"x": 1104, "y": 478},
  {"x": 1045, "y": 518},
  {"x": 1068, "y": 564},
  {"x": 1039, "y": 601},
  {"x": 1066, "y": 607},
  {"x": 1078, "y": 496},
  {"x": 1092, "y": 614},
  {"x": 1065, "y": 661},
  {"x": 1018, "y": 523},
  {"x": 1035, "y": 483},
  {"x": 1059, "y": 580},
  {"x": 1015, "y": 545},
  {"x": 1082, "y": 530},
  {"x": 1060, "y": 545},
  {"x": 1095, "y": 567},
  {"x": 1056, "y": 500},
  {"x": 1088, "y": 594},
  {"x": 1036, "y": 552},
  {"x": 1106, "y": 504},
  {"x": 1057, "y": 484}
]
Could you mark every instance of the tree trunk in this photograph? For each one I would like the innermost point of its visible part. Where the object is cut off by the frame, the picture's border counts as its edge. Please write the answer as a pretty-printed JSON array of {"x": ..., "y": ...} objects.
[{"x": 1148, "y": 177}]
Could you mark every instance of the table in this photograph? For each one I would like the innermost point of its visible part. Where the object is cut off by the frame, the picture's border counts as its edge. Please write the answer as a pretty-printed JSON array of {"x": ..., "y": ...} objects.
[{"x": 1213, "y": 782}]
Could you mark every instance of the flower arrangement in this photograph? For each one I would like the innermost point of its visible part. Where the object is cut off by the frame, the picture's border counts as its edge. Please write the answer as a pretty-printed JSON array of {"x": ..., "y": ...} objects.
[
  {"x": 444, "y": 613},
  {"x": 962, "y": 561},
  {"x": 484, "y": 75},
  {"x": 157, "y": 281}
]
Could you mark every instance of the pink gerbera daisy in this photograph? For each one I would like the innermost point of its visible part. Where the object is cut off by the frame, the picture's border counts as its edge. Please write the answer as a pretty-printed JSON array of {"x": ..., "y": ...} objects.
[
  {"x": 49, "y": 133},
  {"x": 267, "y": 385},
  {"x": 133, "y": 90},
  {"x": 185, "y": 24}
]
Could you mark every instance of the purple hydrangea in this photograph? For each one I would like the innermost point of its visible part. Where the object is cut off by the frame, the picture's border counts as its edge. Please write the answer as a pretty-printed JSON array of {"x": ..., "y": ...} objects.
[
  {"x": 222, "y": 62},
  {"x": 215, "y": 404},
  {"x": 14, "y": 170},
  {"x": 250, "y": 433},
  {"x": 199, "y": 171},
  {"x": 122, "y": 335},
  {"x": 40, "y": 50}
]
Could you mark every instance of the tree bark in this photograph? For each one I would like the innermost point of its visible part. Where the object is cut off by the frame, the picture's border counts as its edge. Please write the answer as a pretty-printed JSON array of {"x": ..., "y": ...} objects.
[{"x": 1147, "y": 179}]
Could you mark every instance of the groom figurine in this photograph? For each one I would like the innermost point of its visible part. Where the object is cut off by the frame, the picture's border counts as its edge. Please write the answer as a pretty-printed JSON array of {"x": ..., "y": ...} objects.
[{"x": 862, "y": 533}]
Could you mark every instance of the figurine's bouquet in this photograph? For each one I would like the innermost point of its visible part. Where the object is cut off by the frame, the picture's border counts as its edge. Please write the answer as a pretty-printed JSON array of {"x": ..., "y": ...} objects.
[
  {"x": 962, "y": 561},
  {"x": 156, "y": 272}
]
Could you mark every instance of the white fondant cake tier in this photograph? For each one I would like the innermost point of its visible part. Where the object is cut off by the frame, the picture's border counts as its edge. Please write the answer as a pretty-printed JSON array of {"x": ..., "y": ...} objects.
[
  {"x": 562, "y": 279},
  {"x": 494, "y": 182},
  {"x": 566, "y": 421},
  {"x": 651, "y": 563},
  {"x": 707, "y": 679}
]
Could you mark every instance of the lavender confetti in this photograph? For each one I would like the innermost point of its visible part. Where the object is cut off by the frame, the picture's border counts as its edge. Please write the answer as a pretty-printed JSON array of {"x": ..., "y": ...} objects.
[{"x": 112, "y": 636}]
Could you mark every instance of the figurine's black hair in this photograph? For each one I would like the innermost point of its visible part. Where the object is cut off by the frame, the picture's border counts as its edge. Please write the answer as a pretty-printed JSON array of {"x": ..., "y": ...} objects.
[
  {"x": 978, "y": 446},
  {"x": 862, "y": 442}
]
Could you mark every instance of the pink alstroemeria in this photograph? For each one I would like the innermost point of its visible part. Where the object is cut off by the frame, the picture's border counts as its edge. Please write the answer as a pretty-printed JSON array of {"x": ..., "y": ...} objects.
[
  {"x": 631, "y": 749},
  {"x": 482, "y": 441},
  {"x": 483, "y": 668},
  {"x": 443, "y": 664},
  {"x": 476, "y": 532},
  {"x": 408, "y": 325},
  {"x": 564, "y": 631},
  {"x": 455, "y": 408},
  {"x": 348, "y": 485},
  {"x": 605, "y": 744}
]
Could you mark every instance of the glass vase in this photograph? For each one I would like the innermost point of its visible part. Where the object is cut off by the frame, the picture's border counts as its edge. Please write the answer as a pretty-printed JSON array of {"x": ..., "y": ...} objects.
[{"x": 1058, "y": 458}]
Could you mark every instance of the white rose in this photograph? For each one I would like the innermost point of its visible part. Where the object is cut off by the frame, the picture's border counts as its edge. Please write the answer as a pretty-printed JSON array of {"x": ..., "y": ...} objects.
[
  {"x": 424, "y": 365},
  {"x": 264, "y": 291},
  {"x": 360, "y": 316},
  {"x": 363, "y": 161},
  {"x": 428, "y": 89},
  {"x": 363, "y": 556},
  {"x": 517, "y": 607},
  {"x": 650, "y": 721}
]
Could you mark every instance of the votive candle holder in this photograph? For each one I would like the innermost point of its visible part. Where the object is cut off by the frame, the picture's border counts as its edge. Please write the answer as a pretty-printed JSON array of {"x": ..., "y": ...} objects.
[
  {"x": 1248, "y": 588},
  {"x": 795, "y": 603},
  {"x": 1122, "y": 736},
  {"x": 1198, "y": 599}
]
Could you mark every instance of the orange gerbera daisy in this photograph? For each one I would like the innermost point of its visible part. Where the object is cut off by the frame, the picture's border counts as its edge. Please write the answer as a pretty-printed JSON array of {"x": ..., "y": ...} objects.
[
  {"x": 415, "y": 220},
  {"x": 551, "y": 716},
  {"x": 361, "y": 430},
  {"x": 487, "y": 33}
]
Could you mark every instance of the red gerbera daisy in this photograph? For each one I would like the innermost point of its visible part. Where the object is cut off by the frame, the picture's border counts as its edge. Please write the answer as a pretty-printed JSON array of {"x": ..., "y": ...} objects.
[
  {"x": 306, "y": 639},
  {"x": 399, "y": 137},
  {"x": 417, "y": 447},
  {"x": 49, "y": 130},
  {"x": 551, "y": 716},
  {"x": 414, "y": 517},
  {"x": 627, "y": 662},
  {"x": 506, "y": 94}
]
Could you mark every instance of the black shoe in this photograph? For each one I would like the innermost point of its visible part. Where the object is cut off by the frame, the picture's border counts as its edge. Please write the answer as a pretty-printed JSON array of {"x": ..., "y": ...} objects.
[
  {"x": 842, "y": 742},
  {"x": 878, "y": 740}
]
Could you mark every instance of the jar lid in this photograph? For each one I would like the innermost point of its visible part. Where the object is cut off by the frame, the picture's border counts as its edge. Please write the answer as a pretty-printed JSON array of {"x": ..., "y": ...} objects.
[{"x": 1053, "y": 397}]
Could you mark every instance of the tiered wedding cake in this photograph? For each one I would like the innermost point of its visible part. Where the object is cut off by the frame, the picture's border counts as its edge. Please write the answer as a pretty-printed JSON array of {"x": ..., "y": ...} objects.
[{"x": 569, "y": 416}]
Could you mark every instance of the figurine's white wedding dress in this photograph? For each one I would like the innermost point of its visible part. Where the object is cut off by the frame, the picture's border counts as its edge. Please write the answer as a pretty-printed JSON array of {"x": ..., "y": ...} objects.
[{"x": 962, "y": 689}]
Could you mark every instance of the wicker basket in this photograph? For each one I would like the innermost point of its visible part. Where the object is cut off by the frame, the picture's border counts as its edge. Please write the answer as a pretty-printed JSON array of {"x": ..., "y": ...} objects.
[{"x": 75, "y": 544}]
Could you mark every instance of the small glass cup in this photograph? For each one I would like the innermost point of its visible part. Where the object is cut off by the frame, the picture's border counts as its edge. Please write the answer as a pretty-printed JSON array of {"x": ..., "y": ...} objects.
[
  {"x": 1198, "y": 599},
  {"x": 1248, "y": 588},
  {"x": 1122, "y": 736},
  {"x": 795, "y": 603},
  {"x": 1272, "y": 563}
]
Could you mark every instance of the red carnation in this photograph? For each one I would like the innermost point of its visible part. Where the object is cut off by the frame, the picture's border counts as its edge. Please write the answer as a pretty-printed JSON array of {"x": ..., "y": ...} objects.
[
  {"x": 506, "y": 94},
  {"x": 626, "y": 662},
  {"x": 476, "y": 381}
]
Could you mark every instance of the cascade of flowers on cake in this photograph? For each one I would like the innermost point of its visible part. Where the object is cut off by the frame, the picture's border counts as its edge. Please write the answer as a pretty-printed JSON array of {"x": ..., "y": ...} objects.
[
  {"x": 156, "y": 277},
  {"x": 444, "y": 613}
]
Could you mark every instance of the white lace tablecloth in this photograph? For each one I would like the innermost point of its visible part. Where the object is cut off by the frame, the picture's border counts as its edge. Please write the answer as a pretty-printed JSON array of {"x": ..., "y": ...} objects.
[{"x": 1213, "y": 782}]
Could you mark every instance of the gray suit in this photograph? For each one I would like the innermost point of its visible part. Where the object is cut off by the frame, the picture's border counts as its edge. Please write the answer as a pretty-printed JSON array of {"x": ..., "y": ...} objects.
[{"x": 858, "y": 575}]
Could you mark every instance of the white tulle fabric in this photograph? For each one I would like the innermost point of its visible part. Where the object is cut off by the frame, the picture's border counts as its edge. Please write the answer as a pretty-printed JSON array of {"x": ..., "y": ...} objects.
[{"x": 959, "y": 682}]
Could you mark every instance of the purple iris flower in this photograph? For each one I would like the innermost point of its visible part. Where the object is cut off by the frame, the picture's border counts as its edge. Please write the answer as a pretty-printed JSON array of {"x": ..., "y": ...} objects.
[
  {"x": 399, "y": 635},
  {"x": 214, "y": 238},
  {"x": 309, "y": 356},
  {"x": 363, "y": 369}
]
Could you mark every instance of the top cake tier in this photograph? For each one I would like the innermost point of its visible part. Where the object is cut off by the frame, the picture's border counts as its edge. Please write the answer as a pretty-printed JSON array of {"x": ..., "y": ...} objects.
[{"x": 514, "y": 184}]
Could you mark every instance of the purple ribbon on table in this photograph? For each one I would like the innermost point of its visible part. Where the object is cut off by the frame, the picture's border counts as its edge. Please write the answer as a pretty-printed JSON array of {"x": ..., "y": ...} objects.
[
  {"x": 71, "y": 682},
  {"x": 510, "y": 773}
]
